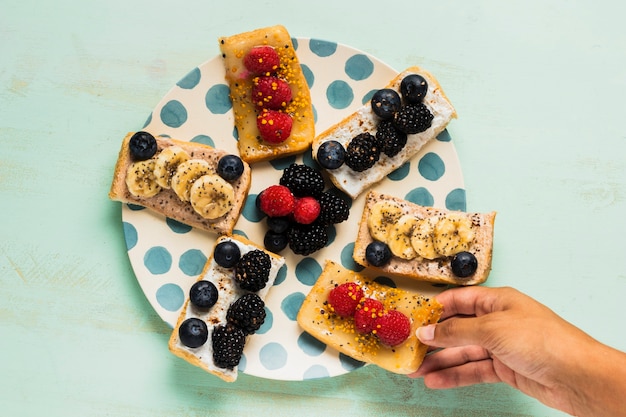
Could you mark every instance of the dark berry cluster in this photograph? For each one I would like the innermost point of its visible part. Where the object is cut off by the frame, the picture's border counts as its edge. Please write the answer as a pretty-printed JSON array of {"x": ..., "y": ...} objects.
[
  {"x": 299, "y": 211},
  {"x": 398, "y": 115}
]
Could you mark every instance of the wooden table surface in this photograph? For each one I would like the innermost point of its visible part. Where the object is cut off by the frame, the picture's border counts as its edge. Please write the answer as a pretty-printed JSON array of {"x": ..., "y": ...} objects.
[{"x": 539, "y": 87}]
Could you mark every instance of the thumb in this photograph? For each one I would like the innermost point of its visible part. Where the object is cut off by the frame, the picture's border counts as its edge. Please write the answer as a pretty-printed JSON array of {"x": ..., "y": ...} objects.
[{"x": 452, "y": 332}]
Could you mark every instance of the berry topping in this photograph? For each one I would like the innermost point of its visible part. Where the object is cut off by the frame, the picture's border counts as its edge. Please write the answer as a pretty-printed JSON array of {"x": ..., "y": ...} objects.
[
  {"x": 377, "y": 253},
  {"x": 331, "y": 154},
  {"x": 277, "y": 201},
  {"x": 413, "y": 118},
  {"x": 344, "y": 299},
  {"x": 391, "y": 140},
  {"x": 275, "y": 241},
  {"x": 262, "y": 60},
  {"x": 306, "y": 210},
  {"x": 392, "y": 328},
  {"x": 142, "y": 146},
  {"x": 230, "y": 167},
  {"x": 193, "y": 332},
  {"x": 464, "y": 264},
  {"x": 385, "y": 103},
  {"x": 304, "y": 239},
  {"x": 366, "y": 313},
  {"x": 274, "y": 126},
  {"x": 253, "y": 270},
  {"x": 271, "y": 93},
  {"x": 228, "y": 342},
  {"x": 334, "y": 209},
  {"x": 247, "y": 313},
  {"x": 203, "y": 294},
  {"x": 302, "y": 180},
  {"x": 227, "y": 254},
  {"x": 413, "y": 88},
  {"x": 362, "y": 152}
]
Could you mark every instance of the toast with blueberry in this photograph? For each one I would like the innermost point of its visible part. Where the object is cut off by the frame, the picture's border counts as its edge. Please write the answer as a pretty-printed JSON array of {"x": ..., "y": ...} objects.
[
  {"x": 383, "y": 134},
  {"x": 225, "y": 306},
  {"x": 192, "y": 183},
  {"x": 269, "y": 93},
  {"x": 402, "y": 238},
  {"x": 368, "y": 321}
]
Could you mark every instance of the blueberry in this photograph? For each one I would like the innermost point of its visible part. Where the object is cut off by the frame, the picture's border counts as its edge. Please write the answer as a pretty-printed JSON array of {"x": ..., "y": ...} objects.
[
  {"x": 464, "y": 264},
  {"x": 142, "y": 146},
  {"x": 193, "y": 332},
  {"x": 413, "y": 88},
  {"x": 331, "y": 154},
  {"x": 203, "y": 294},
  {"x": 275, "y": 242},
  {"x": 278, "y": 224},
  {"x": 230, "y": 167},
  {"x": 377, "y": 253},
  {"x": 385, "y": 103},
  {"x": 227, "y": 254}
]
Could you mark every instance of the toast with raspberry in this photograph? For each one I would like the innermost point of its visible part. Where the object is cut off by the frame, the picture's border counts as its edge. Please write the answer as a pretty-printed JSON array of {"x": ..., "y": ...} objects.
[{"x": 269, "y": 93}]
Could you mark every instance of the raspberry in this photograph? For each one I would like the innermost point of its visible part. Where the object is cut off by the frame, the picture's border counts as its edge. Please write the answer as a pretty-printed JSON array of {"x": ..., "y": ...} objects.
[
  {"x": 392, "y": 328},
  {"x": 274, "y": 126},
  {"x": 307, "y": 209},
  {"x": 262, "y": 60},
  {"x": 271, "y": 93},
  {"x": 413, "y": 118},
  {"x": 277, "y": 201},
  {"x": 366, "y": 313},
  {"x": 344, "y": 299}
]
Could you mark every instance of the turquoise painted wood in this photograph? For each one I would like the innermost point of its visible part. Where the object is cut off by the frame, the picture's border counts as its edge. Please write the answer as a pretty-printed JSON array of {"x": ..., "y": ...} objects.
[{"x": 539, "y": 90}]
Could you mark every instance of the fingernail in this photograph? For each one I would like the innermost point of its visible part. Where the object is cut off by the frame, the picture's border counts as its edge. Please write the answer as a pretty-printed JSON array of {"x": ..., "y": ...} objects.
[{"x": 426, "y": 333}]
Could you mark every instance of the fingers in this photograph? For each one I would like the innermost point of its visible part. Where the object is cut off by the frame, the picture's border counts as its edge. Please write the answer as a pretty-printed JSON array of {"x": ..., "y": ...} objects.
[
  {"x": 453, "y": 332},
  {"x": 481, "y": 372},
  {"x": 474, "y": 301},
  {"x": 449, "y": 358}
]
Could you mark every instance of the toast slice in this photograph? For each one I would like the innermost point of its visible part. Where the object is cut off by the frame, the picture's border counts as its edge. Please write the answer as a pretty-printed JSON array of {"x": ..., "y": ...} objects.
[
  {"x": 252, "y": 148},
  {"x": 167, "y": 202},
  {"x": 364, "y": 120},
  {"x": 228, "y": 292},
  {"x": 339, "y": 333},
  {"x": 476, "y": 231}
]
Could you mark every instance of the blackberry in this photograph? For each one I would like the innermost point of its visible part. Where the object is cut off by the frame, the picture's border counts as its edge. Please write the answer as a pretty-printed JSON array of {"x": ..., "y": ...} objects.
[
  {"x": 247, "y": 313},
  {"x": 302, "y": 180},
  {"x": 362, "y": 152},
  {"x": 413, "y": 118},
  {"x": 334, "y": 209},
  {"x": 390, "y": 139},
  {"x": 304, "y": 239},
  {"x": 228, "y": 342},
  {"x": 253, "y": 270}
]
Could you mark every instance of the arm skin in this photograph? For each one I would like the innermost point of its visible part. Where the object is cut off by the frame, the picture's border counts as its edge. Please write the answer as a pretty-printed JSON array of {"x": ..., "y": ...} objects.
[{"x": 491, "y": 335}]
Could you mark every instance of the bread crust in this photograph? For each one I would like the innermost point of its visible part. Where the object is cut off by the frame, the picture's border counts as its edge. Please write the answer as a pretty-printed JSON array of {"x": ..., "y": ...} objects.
[
  {"x": 166, "y": 202},
  {"x": 251, "y": 148},
  {"x": 339, "y": 334},
  {"x": 365, "y": 121},
  {"x": 437, "y": 270},
  {"x": 229, "y": 292}
]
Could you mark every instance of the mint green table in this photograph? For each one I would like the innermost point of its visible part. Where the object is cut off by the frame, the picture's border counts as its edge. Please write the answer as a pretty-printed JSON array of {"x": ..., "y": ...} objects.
[{"x": 539, "y": 88}]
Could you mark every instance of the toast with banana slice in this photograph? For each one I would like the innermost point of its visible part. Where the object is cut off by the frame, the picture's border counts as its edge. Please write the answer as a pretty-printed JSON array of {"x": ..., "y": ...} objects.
[
  {"x": 348, "y": 335},
  {"x": 192, "y": 183},
  {"x": 431, "y": 244},
  {"x": 386, "y": 132},
  {"x": 269, "y": 93},
  {"x": 225, "y": 306}
]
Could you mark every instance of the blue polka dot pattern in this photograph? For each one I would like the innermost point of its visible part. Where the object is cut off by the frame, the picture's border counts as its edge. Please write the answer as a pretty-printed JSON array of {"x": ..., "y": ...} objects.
[{"x": 168, "y": 256}]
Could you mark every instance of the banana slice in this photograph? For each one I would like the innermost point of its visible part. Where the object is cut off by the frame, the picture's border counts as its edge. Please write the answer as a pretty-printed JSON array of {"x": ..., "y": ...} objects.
[
  {"x": 140, "y": 179},
  {"x": 186, "y": 174},
  {"x": 422, "y": 238},
  {"x": 453, "y": 234},
  {"x": 211, "y": 196},
  {"x": 399, "y": 237},
  {"x": 382, "y": 217},
  {"x": 166, "y": 163}
]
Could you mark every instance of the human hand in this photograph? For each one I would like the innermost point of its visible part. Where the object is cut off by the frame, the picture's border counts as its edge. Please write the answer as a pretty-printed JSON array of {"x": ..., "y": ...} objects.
[{"x": 494, "y": 335}]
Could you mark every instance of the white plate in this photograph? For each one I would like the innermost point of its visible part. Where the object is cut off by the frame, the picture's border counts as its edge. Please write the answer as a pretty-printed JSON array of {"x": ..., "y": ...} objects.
[{"x": 167, "y": 257}]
